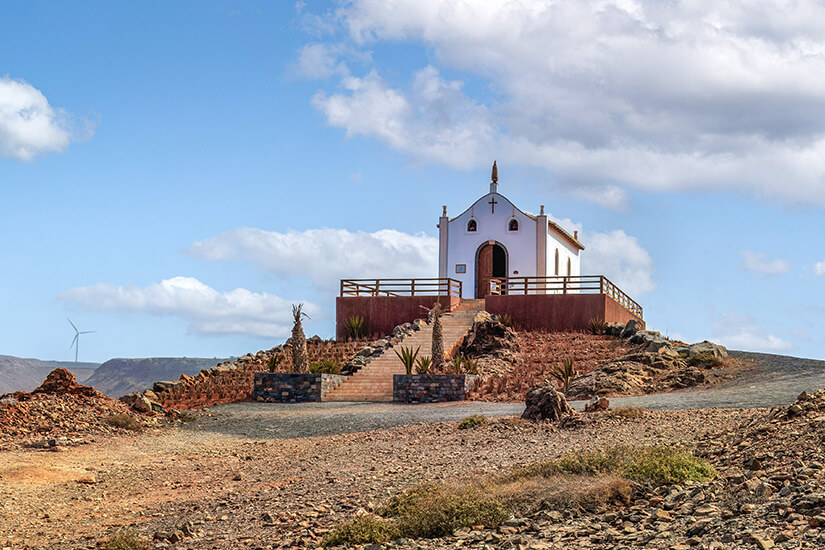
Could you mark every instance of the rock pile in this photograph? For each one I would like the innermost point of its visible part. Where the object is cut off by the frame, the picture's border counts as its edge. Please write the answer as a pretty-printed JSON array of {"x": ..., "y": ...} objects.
[
  {"x": 492, "y": 345},
  {"x": 660, "y": 365},
  {"x": 61, "y": 412}
]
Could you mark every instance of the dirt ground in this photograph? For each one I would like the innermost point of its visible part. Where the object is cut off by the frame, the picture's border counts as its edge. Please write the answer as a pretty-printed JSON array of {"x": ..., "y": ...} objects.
[{"x": 222, "y": 484}]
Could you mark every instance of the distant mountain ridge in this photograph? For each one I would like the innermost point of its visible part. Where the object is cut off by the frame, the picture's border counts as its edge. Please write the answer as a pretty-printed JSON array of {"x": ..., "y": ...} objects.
[
  {"x": 23, "y": 374},
  {"x": 117, "y": 377}
]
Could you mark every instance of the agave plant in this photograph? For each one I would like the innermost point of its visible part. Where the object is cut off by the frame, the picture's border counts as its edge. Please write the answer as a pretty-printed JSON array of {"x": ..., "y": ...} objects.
[
  {"x": 422, "y": 365},
  {"x": 273, "y": 363},
  {"x": 506, "y": 320},
  {"x": 355, "y": 327},
  {"x": 408, "y": 356},
  {"x": 470, "y": 366},
  {"x": 458, "y": 361},
  {"x": 596, "y": 325},
  {"x": 300, "y": 361},
  {"x": 564, "y": 373}
]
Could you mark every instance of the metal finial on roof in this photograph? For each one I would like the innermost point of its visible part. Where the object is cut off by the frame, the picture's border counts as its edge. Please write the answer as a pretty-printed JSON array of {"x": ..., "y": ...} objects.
[{"x": 495, "y": 172}]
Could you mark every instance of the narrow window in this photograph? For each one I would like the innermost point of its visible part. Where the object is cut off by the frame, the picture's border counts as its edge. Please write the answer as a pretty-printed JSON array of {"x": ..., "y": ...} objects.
[
  {"x": 471, "y": 225},
  {"x": 514, "y": 225},
  {"x": 569, "y": 268},
  {"x": 557, "y": 262}
]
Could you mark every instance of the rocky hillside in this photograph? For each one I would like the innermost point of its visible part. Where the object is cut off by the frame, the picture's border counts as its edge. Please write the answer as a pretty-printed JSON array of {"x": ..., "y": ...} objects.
[
  {"x": 19, "y": 374},
  {"x": 117, "y": 377}
]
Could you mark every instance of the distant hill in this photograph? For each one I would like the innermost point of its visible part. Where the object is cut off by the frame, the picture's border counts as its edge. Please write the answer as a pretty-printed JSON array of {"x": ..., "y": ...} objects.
[
  {"x": 117, "y": 377},
  {"x": 20, "y": 374}
]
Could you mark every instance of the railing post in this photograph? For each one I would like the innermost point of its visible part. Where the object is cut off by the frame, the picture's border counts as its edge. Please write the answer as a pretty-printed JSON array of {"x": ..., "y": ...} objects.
[{"x": 412, "y": 287}]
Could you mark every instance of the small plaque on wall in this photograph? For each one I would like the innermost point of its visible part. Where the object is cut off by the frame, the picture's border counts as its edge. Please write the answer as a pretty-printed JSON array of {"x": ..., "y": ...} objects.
[{"x": 461, "y": 268}]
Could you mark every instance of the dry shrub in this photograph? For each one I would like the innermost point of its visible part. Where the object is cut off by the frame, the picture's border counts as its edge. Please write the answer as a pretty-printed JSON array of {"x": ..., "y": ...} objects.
[
  {"x": 589, "y": 493},
  {"x": 124, "y": 422},
  {"x": 436, "y": 509},
  {"x": 656, "y": 464},
  {"x": 362, "y": 530}
]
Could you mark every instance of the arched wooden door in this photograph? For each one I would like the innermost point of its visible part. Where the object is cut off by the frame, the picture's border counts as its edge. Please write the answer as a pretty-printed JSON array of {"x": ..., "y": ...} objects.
[{"x": 491, "y": 262}]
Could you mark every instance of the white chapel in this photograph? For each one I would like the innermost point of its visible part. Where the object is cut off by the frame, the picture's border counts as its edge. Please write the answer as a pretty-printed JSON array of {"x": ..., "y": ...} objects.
[{"x": 493, "y": 238}]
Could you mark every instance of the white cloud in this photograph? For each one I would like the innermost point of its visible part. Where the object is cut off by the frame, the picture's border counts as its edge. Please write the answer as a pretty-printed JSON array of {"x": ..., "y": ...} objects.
[
  {"x": 208, "y": 311},
  {"x": 325, "y": 255},
  {"x": 742, "y": 332},
  {"x": 603, "y": 95},
  {"x": 758, "y": 262},
  {"x": 29, "y": 126},
  {"x": 320, "y": 60},
  {"x": 819, "y": 268},
  {"x": 619, "y": 257}
]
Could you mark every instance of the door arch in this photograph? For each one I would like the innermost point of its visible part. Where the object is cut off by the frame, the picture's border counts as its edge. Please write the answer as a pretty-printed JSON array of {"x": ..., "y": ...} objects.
[{"x": 492, "y": 260}]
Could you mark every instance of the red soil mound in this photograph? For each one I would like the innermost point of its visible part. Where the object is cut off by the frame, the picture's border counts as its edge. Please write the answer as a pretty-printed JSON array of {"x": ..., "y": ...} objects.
[{"x": 540, "y": 352}]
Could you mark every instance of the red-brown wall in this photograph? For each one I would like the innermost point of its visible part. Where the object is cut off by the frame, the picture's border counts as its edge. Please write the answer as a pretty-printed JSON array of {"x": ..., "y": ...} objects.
[
  {"x": 558, "y": 312},
  {"x": 384, "y": 313}
]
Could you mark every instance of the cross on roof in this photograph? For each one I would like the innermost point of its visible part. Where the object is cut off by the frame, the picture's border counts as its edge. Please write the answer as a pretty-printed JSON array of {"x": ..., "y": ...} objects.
[{"x": 492, "y": 202}]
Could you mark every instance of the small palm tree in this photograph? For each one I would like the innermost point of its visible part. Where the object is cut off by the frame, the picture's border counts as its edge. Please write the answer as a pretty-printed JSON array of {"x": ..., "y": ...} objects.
[
  {"x": 437, "y": 352},
  {"x": 407, "y": 356},
  {"x": 564, "y": 373},
  {"x": 300, "y": 357}
]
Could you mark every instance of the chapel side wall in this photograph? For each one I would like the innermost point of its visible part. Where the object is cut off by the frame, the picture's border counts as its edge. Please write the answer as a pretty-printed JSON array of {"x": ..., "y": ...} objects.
[
  {"x": 384, "y": 313},
  {"x": 557, "y": 312}
]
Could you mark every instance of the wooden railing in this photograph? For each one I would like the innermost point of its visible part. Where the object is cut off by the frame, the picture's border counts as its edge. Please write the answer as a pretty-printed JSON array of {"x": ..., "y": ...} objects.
[
  {"x": 401, "y": 287},
  {"x": 579, "y": 284}
]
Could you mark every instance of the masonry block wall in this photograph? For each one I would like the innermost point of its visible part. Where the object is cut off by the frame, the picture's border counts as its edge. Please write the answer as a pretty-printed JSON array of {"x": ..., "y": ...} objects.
[{"x": 232, "y": 382}]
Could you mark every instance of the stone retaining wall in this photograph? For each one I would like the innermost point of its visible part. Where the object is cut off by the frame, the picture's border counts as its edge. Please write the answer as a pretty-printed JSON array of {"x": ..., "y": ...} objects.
[
  {"x": 290, "y": 387},
  {"x": 431, "y": 388},
  {"x": 232, "y": 382}
]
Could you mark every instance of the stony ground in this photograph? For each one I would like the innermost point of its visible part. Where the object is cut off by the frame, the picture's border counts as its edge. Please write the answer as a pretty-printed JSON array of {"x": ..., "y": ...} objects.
[{"x": 212, "y": 488}]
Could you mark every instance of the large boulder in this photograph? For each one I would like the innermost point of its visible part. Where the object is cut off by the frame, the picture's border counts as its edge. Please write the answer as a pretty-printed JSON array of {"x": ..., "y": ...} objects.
[
  {"x": 488, "y": 337},
  {"x": 706, "y": 352},
  {"x": 630, "y": 328},
  {"x": 545, "y": 403}
]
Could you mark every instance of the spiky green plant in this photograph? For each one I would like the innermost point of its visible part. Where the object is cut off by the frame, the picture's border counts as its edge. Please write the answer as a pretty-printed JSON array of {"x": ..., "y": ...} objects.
[
  {"x": 355, "y": 327},
  {"x": 506, "y": 320},
  {"x": 458, "y": 360},
  {"x": 325, "y": 366},
  {"x": 273, "y": 363},
  {"x": 596, "y": 325},
  {"x": 470, "y": 365},
  {"x": 300, "y": 361},
  {"x": 408, "y": 356},
  {"x": 423, "y": 365},
  {"x": 564, "y": 373}
]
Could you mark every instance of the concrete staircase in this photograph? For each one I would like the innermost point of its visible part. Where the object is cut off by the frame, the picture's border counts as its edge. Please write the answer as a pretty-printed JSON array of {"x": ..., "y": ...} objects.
[{"x": 373, "y": 382}]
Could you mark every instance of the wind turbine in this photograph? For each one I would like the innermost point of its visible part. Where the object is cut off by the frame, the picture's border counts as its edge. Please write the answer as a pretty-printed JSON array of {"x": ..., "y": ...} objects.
[{"x": 76, "y": 340}]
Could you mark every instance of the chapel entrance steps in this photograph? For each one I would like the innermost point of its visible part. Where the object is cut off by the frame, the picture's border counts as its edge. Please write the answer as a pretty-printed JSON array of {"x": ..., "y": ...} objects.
[{"x": 373, "y": 382}]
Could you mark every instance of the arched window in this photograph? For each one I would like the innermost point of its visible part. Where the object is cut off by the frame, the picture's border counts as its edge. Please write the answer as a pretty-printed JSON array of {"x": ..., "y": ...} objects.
[
  {"x": 557, "y": 262},
  {"x": 513, "y": 225},
  {"x": 569, "y": 267},
  {"x": 472, "y": 225}
]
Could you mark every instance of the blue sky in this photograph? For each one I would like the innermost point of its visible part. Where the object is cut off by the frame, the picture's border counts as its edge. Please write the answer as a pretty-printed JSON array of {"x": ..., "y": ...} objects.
[{"x": 175, "y": 175}]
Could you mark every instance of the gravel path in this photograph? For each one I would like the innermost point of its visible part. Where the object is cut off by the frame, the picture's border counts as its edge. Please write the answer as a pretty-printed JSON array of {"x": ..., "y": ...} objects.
[
  {"x": 283, "y": 421},
  {"x": 774, "y": 380}
]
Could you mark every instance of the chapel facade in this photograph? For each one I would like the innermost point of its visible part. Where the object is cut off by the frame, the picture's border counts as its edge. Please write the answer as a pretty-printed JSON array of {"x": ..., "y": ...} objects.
[{"x": 493, "y": 238}]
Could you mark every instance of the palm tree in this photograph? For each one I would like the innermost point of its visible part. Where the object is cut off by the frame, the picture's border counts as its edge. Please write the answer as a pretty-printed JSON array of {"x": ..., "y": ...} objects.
[
  {"x": 437, "y": 353},
  {"x": 300, "y": 361}
]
